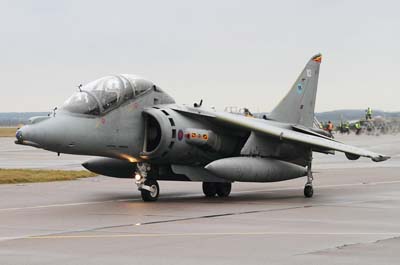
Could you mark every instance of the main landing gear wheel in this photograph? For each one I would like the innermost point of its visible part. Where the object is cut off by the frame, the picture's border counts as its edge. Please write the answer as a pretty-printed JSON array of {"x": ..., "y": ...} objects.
[
  {"x": 152, "y": 194},
  {"x": 210, "y": 189},
  {"x": 224, "y": 189}
]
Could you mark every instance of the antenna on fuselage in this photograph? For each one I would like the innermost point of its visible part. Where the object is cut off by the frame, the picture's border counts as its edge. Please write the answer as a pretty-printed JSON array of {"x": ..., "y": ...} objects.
[
  {"x": 80, "y": 87},
  {"x": 198, "y": 105}
]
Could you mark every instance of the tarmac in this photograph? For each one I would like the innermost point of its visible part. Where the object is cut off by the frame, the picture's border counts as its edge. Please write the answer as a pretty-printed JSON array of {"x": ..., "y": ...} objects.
[{"x": 353, "y": 217}]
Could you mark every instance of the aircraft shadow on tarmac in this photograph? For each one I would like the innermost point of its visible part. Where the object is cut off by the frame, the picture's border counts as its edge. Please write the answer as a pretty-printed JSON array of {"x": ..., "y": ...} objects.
[{"x": 286, "y": 196}]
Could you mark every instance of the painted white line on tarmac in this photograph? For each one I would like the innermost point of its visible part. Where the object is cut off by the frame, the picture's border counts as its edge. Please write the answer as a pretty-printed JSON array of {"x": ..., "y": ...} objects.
[
  {"x": 64, "y": 205},
  {"x": 262, "y": 233},
  {"x": 11, "y": 238}
]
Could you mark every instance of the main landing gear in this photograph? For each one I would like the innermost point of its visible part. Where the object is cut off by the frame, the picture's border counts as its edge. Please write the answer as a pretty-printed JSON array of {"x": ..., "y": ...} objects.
[
  {"x": 308, "y": 188},
  {"x": 148, "y": 187},
  {"x": 222, "y": 189},
  {"x": 145, "y": 179}
]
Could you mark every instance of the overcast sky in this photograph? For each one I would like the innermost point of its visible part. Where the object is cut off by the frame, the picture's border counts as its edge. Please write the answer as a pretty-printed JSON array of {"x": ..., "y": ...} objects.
[{"x": 239, "y": 53}]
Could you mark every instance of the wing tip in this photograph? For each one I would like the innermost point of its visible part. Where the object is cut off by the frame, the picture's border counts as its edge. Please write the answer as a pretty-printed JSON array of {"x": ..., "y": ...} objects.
[{"x": 380, "y": 158}]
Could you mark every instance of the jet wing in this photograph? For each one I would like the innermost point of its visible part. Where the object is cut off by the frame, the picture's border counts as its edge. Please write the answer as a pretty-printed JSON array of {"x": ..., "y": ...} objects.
[{"x": 268, "y": 129}]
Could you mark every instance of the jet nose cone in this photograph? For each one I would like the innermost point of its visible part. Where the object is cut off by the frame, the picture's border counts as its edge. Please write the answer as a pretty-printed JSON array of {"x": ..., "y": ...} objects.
[
  {"x": 19, "y": 136},
  {"x": 25, "y": 136}
]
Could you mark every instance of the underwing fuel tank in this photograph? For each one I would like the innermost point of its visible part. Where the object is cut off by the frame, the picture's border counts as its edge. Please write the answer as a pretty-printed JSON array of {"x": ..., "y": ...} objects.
[{"x": 253, "y": 169}]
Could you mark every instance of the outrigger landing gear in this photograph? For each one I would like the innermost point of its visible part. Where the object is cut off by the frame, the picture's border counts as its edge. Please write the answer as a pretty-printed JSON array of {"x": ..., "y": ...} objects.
[
  {"x": 149, "y": 188},
  {"x": 308, "y": 189},
  {"x": 222, "y": 189}
]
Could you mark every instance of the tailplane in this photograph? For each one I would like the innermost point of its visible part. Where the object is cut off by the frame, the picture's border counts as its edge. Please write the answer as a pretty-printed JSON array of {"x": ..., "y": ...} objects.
[{"x": 297, "y": 107}]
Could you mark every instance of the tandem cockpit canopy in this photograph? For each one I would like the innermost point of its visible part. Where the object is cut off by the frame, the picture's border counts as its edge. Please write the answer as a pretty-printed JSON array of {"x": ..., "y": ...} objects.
[{"x": 106, "y": 93}]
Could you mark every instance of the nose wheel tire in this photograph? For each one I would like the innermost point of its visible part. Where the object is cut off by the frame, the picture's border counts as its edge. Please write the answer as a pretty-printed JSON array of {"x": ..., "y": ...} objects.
[
  {"x": 150, "y": 195},
  {"x": 308, "y": 191},
  {"x": 211, "y": 189}
]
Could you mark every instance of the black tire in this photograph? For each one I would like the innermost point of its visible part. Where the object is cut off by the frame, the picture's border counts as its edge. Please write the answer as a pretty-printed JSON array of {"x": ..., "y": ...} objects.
[
  {"x": 210, "y": 189},
  {"x": 308, "y": 191},
  {"x": 224, "y": 189},
  {"x": 149, "y": 196}
]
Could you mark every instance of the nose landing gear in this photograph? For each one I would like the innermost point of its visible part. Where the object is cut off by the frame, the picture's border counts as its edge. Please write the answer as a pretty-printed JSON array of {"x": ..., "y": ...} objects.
[
  {"x": 150, "y": 190},
  {"x": 148, "y": 187}
]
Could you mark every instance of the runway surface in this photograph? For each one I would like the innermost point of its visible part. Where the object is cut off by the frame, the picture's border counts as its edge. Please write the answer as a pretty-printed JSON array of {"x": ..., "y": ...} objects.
[{"x": 353, "y": 217}]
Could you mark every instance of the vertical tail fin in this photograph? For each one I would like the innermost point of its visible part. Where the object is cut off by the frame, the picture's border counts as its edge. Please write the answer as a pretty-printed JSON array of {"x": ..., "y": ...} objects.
[{"x": 297, "y": 107}]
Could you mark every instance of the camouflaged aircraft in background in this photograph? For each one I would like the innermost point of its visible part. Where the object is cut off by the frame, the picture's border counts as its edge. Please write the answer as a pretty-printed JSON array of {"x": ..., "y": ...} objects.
[{"x": 141, "y": 133}]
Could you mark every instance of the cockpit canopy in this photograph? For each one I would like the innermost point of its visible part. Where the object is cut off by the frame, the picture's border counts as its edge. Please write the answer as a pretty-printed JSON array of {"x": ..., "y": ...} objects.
[{"x": 106, "y": 93}]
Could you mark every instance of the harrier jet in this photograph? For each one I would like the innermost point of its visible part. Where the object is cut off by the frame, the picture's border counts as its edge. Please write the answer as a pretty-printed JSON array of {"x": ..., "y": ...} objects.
[{"x": 141, "y": 133}]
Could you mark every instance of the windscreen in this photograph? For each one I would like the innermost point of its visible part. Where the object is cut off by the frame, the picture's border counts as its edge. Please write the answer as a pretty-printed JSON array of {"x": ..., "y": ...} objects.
[
  {"x": 83, "y": 103},
  {"x": 105, "y": 94}
]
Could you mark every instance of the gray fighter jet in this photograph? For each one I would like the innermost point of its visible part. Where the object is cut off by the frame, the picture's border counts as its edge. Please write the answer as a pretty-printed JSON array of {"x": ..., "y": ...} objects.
[{"x": 141, "y": 133}]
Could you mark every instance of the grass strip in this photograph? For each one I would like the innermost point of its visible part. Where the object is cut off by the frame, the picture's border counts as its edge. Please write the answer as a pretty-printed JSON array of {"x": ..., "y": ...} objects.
[
  {"x": 10, "y": 176},
  {"x": 7, "y": 131}
]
